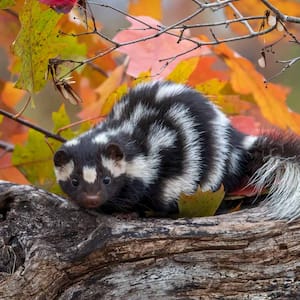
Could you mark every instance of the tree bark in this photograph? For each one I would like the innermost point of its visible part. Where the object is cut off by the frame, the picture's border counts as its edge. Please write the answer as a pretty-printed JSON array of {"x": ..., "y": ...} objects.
[{"x": 50, "y": 249}]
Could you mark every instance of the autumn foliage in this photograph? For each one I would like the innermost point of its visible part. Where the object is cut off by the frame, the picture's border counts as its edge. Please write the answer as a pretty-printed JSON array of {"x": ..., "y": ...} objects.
[{"x": 61, "y": 42}]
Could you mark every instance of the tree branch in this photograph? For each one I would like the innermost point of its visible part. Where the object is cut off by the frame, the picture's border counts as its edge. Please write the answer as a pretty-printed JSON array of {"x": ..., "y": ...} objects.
[
  {"x": 70, "y": 253},
  {"x": 237, "y": 12},
  {"x": 279, "y": 14},
  {"x": 169, "y": 30},
  {"x": 30, "y": 125},
  {"x": 8, "y": 147},
  {"x": 287, "y": 64},
  {"x": 220, "y": 23}
]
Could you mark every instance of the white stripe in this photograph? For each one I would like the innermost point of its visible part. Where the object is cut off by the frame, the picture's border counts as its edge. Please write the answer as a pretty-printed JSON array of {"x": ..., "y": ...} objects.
[
  {"x": 137, "y": 114},
  {"x": 127, "y": 126},
  {"x": 89, "y": 174},
  {"x": 73, "y": 142},
  {"x": 116, "y": 168},
  {"x": 249, "y": 141},
  {"x": 106, "y": 136},
  {"x": 146, "y": 167},
  {"x": 141, "y": 111},
  {"x": 234, "y": 161},
  {"x": 220, "y": 151},
  {"x": 101, "y": 138},
  {"x": 119, "y": 108},
  {"x": 160, "y": 137},
  {"x": 187, "y": 182},
  {"x": 139, "y": 168},
  {"x": 282, "y": 177},
  {"x": 63, "y": 173},
  {"x": 169, "y": 90}
]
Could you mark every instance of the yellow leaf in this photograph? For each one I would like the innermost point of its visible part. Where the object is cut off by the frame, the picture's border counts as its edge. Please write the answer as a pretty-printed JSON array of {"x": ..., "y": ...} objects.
[
  {"x": 183, "y": 70},
  {"x": 200, "y": 204},
  {"x": 145, "y": 7},
  {"x": 113, "y": 98},
  {"x": 108, "y": 87},
  {"x": 143, "y": 77},
  {"x": 220, "y": 94}
]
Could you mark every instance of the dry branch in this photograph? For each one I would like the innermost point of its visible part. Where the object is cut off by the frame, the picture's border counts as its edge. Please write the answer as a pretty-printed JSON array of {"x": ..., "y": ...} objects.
[
  {"x": 179, "y": 28},
  {"x": 52, "y": 250}
]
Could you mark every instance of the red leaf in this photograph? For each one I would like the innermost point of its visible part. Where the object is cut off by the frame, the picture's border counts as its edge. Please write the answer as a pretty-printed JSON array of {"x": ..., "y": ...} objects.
[
  {"x": 60, "y": 6},
  {"x": 148, "y": 54},
  {"x": 244, "y": 191},
  {"x": 246, "y": 124}
]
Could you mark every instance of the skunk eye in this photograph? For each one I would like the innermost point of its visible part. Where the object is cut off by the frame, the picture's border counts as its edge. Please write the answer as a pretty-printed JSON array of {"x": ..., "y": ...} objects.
[
  {"x": 75, "y": 182},
  {"x": 106, "y": 180}
]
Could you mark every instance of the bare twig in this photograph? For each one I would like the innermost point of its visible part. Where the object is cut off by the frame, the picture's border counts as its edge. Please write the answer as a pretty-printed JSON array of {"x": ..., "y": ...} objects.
[
  {"x": 220, "y": 23},
  {"x": 99, "y": 118},
  {"x": 19, "y": 113},
  {"x": 237, "y": 12},
  {"x": 279, "y": 14},
  {"x": 30, "y": 125},
  {"x": 220, "y": 41},
  {"x": 8, "y": 147},
  {"x": 158, "y": 31},
  {"x": 287, "y": 65}
]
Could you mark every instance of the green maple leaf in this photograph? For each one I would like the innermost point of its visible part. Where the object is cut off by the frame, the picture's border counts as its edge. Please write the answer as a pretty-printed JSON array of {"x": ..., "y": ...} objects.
[
  {"x": 38, "y": 41},
  {"x": 7, "y": 3}
]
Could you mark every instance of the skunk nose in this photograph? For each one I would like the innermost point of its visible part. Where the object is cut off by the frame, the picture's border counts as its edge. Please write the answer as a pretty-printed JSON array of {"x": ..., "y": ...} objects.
[{"x": 91, "y": 201}]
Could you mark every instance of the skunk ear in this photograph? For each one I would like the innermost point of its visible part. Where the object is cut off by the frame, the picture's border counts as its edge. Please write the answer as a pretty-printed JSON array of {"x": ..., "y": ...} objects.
[
  {"x": 114, "y": 151},
  {"x": 61, "y": 157}
]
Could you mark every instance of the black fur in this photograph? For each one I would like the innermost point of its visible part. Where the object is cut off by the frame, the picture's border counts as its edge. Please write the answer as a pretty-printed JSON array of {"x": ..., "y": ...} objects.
[{"x": 132, "y": 134}]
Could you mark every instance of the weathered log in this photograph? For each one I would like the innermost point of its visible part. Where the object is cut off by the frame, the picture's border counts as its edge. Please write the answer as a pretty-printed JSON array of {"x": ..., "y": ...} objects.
[{"x": 50, "y": 249}]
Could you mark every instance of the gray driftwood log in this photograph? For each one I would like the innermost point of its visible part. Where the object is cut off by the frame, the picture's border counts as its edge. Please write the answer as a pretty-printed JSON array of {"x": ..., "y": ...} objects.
[{"x": 50, "y": 249}]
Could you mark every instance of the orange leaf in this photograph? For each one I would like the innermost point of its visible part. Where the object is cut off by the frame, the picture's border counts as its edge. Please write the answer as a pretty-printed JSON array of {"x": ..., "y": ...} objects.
[
  {"x": 11, "y": 95},
  {"x": 257, "y": 8},
  {"x": 10, "y": 173},
  {"x": 159, "y": 53},
  {"x": 87, "y": 92},
  {"x": 205, "y": 71},
  {"x": 99, "y": 106},
  {"x": 271, "y": 100},
  {"x": 145, "y": 7},
  {"x": 19, "y": 137}
]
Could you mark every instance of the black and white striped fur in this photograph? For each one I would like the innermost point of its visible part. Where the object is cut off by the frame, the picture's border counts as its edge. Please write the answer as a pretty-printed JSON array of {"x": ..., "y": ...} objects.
[{"x": 163, "y": 139}]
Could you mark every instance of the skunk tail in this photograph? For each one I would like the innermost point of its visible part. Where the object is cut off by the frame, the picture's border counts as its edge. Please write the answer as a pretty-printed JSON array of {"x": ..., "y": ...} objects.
[{"x": 275, "y": 165}]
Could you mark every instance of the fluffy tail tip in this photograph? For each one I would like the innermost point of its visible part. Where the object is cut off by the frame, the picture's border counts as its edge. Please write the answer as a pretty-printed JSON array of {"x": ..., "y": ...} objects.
[{"x": 281, "y": 176}]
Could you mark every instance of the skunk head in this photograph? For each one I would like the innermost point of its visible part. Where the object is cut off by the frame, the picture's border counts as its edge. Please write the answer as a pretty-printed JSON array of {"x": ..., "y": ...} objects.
[{"x": 90, "y": 174}]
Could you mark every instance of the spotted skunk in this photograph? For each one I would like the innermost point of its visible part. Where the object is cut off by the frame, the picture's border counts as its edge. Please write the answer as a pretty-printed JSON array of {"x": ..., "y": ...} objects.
[{"x": 163, "y": 139}]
